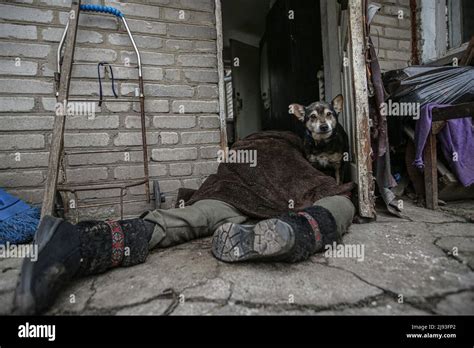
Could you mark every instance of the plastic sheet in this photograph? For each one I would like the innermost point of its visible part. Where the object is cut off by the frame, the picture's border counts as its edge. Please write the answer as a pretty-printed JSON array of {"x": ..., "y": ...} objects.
[{"x": 441, "y": 85}]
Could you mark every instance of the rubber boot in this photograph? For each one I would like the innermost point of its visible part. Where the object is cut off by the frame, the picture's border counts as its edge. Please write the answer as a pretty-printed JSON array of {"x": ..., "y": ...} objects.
[
  {"x": 67, "y": 251},
  {"x": 291, "y": 237}
]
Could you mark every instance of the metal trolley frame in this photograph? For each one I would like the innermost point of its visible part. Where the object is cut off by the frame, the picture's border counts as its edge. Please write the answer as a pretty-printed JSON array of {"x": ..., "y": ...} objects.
[{"x": 53, "y": 202}]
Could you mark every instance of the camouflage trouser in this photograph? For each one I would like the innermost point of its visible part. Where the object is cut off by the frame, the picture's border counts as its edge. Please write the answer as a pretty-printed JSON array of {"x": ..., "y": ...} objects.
[{"x": 176, "y": 226}]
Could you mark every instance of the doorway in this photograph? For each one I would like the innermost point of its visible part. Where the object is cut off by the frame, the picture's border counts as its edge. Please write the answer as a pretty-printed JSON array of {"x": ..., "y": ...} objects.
[
  {"x": 303, "y": 47},
  {"x": 272, "y": 51}
]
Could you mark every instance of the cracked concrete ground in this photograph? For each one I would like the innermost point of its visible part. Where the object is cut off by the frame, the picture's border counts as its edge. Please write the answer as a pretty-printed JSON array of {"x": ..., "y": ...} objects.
[{"x": 421, "y": 264}]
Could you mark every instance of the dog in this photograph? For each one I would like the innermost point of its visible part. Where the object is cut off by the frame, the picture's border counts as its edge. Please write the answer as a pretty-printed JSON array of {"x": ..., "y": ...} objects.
[{"x": 326, "y": 144}]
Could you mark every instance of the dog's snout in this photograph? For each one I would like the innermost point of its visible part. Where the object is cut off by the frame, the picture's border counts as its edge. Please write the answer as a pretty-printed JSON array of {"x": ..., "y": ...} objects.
[{"x": 324, "y": 128}]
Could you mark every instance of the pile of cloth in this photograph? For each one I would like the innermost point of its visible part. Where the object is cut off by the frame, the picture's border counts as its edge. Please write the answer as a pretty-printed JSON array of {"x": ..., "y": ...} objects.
[
  {"x": 457, "y": 143},
  {"x": 283, "y": 179},
  {"x": 438, "y": 87}
]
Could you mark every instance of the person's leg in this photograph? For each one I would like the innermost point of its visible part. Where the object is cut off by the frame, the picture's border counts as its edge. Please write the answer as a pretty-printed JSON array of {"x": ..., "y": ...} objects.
[
  {"x": 342, "y": 209},
  {"x": 291, "y": 237},
  {"x": 67, "y": 251},
  {"x": 177, "y": 226}
]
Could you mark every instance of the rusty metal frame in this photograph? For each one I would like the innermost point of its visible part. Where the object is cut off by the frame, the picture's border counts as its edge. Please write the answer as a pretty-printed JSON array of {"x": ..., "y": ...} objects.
[
  {"x": 63, "y": 78},
  {"x": 121, "y": 185}
]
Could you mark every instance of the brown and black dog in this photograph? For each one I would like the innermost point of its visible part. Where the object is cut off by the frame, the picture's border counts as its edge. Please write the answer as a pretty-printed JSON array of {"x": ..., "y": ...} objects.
[{"x": 326, "y": 144}]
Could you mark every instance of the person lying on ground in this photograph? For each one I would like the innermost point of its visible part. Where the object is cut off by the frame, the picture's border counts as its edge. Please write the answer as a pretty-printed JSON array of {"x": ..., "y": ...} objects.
[{"x": 281, "y": 210}]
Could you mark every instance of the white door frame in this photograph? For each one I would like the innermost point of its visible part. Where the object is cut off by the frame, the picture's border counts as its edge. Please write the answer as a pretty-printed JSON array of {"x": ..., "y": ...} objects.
[
  {"x": 221, "y": 74},
  {"x": 365, "y": 179}
]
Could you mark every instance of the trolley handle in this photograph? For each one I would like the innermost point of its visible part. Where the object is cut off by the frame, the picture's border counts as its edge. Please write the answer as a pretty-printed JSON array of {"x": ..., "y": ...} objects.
[{"x": 100, "y": 8}]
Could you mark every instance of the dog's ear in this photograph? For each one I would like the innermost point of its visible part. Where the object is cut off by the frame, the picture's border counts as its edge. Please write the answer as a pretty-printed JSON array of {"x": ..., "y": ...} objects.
[
  {"x": 338, "y": 103},
  {"x": 297, "y": 110}
]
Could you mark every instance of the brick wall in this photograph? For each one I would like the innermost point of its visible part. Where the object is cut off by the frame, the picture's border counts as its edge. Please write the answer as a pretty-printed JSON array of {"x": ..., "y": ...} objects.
[
  {"x": 179, "y": 57},
  {"x": 391, "y": 35}
]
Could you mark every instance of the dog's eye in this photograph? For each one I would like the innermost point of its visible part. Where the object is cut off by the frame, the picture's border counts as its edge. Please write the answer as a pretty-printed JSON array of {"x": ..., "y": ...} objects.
[
  {"x": 313, "y": 117},
  {"x": 329, "y": 114}
]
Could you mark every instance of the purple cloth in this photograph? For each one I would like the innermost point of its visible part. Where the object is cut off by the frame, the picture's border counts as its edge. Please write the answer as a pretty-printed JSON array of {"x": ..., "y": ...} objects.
[{"x": 457, "y": 143}]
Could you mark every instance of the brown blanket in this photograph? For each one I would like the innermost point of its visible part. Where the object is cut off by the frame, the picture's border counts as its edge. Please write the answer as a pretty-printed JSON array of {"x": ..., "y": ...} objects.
[{"x": 282, "y": 175}]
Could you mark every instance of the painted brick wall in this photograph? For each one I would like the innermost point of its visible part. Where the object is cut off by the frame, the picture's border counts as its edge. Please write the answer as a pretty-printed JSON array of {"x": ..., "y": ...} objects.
[
  {"x": 179, "y": 57},
  {"x": 391, "y": 35}
]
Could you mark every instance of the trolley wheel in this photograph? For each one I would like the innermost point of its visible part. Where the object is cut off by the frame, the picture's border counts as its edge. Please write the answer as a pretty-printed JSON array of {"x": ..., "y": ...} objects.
[{"x": 159, "y": 196}]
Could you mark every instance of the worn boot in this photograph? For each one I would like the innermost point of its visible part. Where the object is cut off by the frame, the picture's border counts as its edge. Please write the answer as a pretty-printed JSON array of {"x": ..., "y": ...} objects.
[
  {"x": 67, "y": 251},
  {"x": 291, "y": 237}
]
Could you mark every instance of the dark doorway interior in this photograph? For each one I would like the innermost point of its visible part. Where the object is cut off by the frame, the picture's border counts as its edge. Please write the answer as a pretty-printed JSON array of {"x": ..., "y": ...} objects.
[
  {"x": 467, "y": 22},
  {"x": 281, "y": 40},
  {"x": 294, "y": 58}
]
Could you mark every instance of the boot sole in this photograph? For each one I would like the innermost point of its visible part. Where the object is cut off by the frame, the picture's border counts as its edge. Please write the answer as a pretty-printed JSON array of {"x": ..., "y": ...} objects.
[
  {"x": 24, "y": 301},
  {"x": 236, "y": 243}
]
